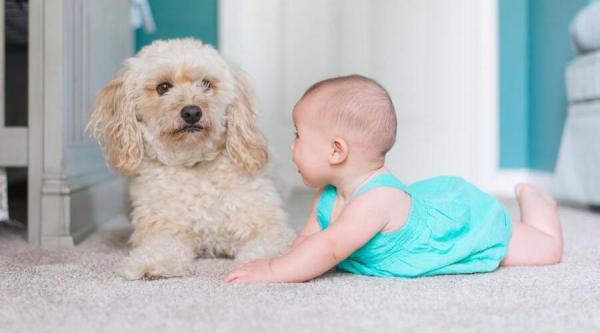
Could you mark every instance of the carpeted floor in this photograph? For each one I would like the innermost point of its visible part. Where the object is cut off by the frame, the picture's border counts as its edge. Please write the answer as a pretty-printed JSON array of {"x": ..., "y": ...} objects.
[{"x": 77, "y": 291}]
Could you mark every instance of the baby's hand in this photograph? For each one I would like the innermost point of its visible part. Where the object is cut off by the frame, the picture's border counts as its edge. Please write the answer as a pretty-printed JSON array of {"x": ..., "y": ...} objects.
[{"x": 254, "y": 271}]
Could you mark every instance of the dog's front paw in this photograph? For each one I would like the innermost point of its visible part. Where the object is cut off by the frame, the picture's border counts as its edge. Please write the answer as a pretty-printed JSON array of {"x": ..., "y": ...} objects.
[
  {"x": 133, "y": 268},
  {"x": 266, "y": 245},
  {"x": 158, "y": 258}
]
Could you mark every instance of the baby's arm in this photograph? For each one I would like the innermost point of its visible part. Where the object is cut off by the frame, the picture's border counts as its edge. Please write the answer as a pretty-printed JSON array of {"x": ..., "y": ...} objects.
[
  {"x": 312, "y": 225},
  {"x": 318, "y": 253}
]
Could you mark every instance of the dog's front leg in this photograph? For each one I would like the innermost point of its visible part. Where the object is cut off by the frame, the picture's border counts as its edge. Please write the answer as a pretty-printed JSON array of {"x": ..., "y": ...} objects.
[
  {"x": 270, "y": 242},
  {"x": 158, "y": 255}
]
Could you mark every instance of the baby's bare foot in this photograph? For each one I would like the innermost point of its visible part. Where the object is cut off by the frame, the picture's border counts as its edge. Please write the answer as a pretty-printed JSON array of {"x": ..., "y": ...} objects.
[
  {"x": 539, "y": 210},
  {"x": 526, "y": 190}
]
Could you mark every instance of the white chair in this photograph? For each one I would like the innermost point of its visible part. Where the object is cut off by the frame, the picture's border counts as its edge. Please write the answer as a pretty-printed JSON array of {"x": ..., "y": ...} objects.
[{"x": 578, "y": 166}]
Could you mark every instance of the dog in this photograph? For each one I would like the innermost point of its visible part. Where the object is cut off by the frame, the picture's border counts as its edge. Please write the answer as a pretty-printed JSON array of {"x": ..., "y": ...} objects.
[{"x": 179, "y": 121}]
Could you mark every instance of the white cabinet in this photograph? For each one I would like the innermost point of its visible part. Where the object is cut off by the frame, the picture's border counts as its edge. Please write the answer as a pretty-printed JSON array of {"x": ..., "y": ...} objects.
[{"x": 75, "y": 46}]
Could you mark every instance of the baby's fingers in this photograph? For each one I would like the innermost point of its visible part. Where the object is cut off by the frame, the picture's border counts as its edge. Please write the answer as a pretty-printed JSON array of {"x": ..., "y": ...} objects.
[
  {"x": 234, "y": 275},
  {"x": 244, "y": 279}
]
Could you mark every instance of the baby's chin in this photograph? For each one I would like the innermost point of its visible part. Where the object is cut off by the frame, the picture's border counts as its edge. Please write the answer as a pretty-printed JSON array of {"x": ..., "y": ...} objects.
[
  {"x": 309, "y": 183},
  {"x": 304, "y": 180}
]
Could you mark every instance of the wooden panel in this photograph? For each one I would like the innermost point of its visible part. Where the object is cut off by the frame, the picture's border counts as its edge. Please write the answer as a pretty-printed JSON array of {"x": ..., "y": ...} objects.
[
  {"x": 35, "y": 97},
  {"x": 2, "y": 99},
  {"x": 13, "y": 146}
]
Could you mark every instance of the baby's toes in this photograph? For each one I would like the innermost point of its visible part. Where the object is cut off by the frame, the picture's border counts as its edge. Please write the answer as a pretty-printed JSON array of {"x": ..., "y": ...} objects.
[{"x": 519, "y": 189}]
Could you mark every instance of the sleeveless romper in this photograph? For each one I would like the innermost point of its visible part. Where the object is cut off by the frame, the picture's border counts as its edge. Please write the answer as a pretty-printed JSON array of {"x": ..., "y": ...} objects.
[{"x": 452, "y": 228}]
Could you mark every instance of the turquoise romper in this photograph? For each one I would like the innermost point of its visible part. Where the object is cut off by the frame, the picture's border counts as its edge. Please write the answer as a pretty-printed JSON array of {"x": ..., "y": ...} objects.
[{"x": 452, "y": 228}]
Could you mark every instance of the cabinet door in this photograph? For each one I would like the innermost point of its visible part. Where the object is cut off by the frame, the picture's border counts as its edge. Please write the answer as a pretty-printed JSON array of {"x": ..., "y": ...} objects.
[
  {"x": 75, "y": 47},
  {"x": 13, "y": 139},
  {"x": 100, "y": 40}
]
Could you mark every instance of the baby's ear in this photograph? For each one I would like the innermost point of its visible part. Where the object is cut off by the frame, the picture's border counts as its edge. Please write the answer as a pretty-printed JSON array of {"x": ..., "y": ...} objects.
[
  {"x": 245, "y": 144},
  {"x": 113, "y": 123},
  {"x": 339, "y": 151}
]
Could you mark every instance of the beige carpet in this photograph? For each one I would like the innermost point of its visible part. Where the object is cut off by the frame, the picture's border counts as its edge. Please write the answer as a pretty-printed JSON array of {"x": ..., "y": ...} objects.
[{"x": 77, "y": 291}]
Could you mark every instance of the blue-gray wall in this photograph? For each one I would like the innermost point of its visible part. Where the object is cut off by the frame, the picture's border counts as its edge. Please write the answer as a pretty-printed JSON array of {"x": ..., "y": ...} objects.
[
  {"x": 534, "y": 49},
  {"x": 182, "y": 18},
  {"x": 514, "y": 102}
]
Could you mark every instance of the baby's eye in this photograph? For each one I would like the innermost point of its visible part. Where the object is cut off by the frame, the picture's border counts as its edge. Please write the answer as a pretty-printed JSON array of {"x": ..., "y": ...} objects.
[{"x": 296, "y": 135}]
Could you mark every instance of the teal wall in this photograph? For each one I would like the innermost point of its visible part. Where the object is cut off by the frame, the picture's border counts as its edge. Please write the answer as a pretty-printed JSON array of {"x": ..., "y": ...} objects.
[
  {"x": 514, "y": 83},
  {"x": 534, "y": 47},
  {"x": 182, "y": 18}
]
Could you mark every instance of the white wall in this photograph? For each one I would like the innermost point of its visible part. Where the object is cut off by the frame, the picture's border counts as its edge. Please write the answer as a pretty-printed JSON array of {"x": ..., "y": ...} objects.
[
  {"x": 284, "y": 46},
  {"x": 436, "y": 58},
  {"x": 251, "y": 35}
]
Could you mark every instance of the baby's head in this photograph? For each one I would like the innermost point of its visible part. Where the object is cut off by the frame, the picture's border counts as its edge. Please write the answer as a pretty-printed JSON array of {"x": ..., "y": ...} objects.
[{"x": 353, "y": 114}]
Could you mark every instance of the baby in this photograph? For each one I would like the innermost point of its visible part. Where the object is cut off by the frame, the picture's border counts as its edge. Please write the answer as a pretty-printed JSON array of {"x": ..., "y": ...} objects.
[{"x": 366, "y": 221}]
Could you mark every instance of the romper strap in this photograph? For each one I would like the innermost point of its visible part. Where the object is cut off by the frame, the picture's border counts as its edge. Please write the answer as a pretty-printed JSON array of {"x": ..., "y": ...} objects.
[
  {"x": 328, "y": 196},
  {"x": 383, "y": 180},
  {"x": 325, "y": 205}
]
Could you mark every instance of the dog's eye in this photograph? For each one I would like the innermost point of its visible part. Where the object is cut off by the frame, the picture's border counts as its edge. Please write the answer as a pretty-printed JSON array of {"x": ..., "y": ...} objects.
[
  {"x": 162, "y": 88},
  {"x": 206, "y": 84}
]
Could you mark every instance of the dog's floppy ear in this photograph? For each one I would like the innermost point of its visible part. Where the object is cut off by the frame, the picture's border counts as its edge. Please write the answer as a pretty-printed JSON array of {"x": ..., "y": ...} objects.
[
  {"x": 113, "y": 123},
  {"x": 245, "y": 143}
]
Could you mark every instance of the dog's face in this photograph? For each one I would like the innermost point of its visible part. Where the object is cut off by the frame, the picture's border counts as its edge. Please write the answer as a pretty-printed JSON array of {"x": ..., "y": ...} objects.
[{"x": 181, "y": 103}]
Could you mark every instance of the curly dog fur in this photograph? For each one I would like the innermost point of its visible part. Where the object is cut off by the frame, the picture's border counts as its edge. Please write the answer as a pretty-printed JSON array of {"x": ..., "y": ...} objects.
[{"x": 198, "y": 185}]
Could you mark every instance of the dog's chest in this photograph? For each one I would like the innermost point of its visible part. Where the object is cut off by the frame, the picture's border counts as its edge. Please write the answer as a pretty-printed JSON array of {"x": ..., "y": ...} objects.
[{"x": 185, "y": 195}]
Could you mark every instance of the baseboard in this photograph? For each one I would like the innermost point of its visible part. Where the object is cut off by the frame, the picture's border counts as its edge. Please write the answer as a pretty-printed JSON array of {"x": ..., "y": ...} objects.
[
  {"x": 71, "y": 210},
  {"x": 95, "y": 205},
  {"x": 55, "y": 242},
  {"x": 504, "y": 181}
]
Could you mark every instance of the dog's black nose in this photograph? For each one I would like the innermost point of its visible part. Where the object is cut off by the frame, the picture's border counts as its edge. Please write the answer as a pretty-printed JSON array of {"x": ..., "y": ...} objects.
[{"x": 191, "y": 114}]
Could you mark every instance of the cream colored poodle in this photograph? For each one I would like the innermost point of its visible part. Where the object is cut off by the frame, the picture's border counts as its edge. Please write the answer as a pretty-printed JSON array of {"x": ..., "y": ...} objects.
[{"x": 180, "y": 121}]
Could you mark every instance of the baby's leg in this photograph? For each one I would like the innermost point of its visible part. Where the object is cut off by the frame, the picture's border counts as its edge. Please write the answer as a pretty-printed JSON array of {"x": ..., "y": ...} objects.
[{"x": 537, "y": 239}]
